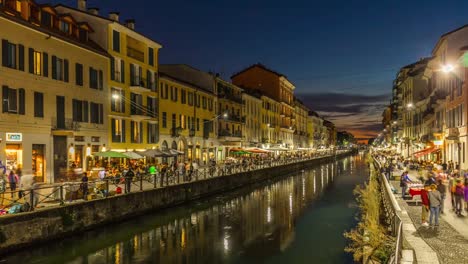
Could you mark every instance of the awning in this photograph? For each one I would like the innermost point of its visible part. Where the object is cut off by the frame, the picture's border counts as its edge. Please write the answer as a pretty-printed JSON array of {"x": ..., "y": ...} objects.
[{"x": 426, "y": 152}]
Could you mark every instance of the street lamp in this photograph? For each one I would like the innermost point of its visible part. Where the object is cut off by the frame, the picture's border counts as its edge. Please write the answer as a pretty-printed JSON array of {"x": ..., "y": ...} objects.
[{"x": 448, "y": 68}]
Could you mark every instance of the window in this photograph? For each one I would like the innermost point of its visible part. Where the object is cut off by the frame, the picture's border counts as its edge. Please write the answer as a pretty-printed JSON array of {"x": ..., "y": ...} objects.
[
  {"x": 182, "y": 121},
  {"x": 118, "y": 130},
  {"x": 9, "y": 54},
  {"x": 64, "y": 27},
  {"x": 117, "y": 72},
  {"x": 152, "y": 110},
  {"x": 117, "y": 100},
  {"x": 183, "y": 96},
  {"x": 35, "y": 62},
  {"x": 198, "y": 124},
  {"x": 164, "y": 119},
  {"x": 18, "y": 6},
  {"x": 59, "y": 69},
  {"x": 38, "y": 104},
  {"x": 174, "y": 93},
  {"x": 166, "y": 91},
  {"x": 79, "y": 74},
  {"x": 190, "y": 98},
  {"x": 83, "y": 35},
  {"x": 80, "y": 110},
  {"x": 136, "y": 129},
  {"x": 13, "y": 100},
  {"x": 151, "y": 56},
  {"x": 115, "y": 41},
  {"x": 97, "y": 113},
  {"x": 95, "y": 79},
  {"x": 174, "y": 121},
  {"x": 136, "y": 75},
  {"x": 204, "y": 102},
  {"x": 46, "y": 19},
  {"x": 136, "y": 106},
  {"x": 152, "y": 133}
]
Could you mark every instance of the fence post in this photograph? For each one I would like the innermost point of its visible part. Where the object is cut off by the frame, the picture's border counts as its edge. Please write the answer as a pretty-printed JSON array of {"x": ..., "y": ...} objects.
[
  {"x": 141, "y": 182},
  {"x": 61, "y": 195},
  {"x": 31, "y": 199}
]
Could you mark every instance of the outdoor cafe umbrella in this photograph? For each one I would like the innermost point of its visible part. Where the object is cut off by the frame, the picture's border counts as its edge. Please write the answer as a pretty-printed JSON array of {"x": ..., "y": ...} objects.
[
  {"x": 111, "y": 154},
  {"x": 133, "y": 155},
  {"x": 176, "y": 152},
  {"x": 155, "y": 153}
]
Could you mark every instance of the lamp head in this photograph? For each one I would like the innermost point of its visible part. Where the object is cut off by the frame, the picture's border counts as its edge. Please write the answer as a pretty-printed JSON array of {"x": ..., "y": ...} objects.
[{"x": 447, "y": 68}]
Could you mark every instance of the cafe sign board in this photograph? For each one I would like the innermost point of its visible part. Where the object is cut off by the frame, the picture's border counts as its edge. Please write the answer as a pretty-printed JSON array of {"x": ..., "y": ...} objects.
[{"x": 14, "y": 137}]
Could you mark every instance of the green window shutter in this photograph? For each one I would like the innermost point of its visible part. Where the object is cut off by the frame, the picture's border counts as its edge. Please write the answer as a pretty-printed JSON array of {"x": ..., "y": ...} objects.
[
  {"x": 65, "y": 70},
  {"x": 112, "y": 68},
  {"x": 22, "y": 99},
  {"x": 5, "y": 96},
  {"x": 54, "y": 67},
  {"x": 4, "y": 53},
  {"x": 21, "y": 57},
  {"x": 122, "y": 71},
  {"x": 45, "y": 64},
  {"x": 31, "y": 60}
]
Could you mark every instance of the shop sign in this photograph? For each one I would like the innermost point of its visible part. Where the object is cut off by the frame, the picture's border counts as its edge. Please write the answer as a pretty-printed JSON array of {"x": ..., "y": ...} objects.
[{"x": 14, "y": 137}]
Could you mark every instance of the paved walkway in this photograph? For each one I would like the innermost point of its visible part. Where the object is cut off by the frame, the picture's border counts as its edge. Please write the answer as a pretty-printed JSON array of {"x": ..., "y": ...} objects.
[{"x": 449, "y": 241}]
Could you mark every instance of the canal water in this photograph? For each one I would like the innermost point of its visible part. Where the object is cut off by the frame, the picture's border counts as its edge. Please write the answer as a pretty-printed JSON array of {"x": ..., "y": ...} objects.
[{"x": 297, "y": 219}]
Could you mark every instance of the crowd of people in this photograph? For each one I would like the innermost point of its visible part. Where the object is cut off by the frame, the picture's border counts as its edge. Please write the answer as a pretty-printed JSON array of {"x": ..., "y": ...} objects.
[{"x": 436, "y": 182}]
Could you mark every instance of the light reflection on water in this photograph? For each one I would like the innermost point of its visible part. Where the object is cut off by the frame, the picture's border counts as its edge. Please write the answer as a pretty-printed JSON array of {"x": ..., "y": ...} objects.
[{"x": 245, "y": 227}]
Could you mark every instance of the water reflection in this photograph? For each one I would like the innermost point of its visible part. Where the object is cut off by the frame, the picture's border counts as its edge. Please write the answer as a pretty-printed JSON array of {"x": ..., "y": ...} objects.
[{"x": 250, "y": 226}]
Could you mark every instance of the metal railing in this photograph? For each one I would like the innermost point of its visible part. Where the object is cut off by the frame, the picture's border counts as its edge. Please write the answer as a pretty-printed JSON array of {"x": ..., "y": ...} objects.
[
  {"x": 57, "y": 194},
  {"x": 392, "y": 213}
]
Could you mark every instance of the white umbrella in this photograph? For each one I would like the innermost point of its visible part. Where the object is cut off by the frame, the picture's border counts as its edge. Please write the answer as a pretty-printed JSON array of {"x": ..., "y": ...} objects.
[{"x": 133, "y": 155}]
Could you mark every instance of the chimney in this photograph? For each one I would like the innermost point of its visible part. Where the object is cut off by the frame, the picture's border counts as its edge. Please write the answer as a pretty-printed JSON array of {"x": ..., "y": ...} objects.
[
  {"x": 130, "y": 23},
  {"x": 82, "y": 5},
  {"x": 93, "y": 10},
  {"x": 114, "y": 16}
]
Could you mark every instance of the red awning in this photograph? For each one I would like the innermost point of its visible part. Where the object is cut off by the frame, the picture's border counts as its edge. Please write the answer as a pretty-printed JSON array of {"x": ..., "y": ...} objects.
[{"x": 425, "y": 152}]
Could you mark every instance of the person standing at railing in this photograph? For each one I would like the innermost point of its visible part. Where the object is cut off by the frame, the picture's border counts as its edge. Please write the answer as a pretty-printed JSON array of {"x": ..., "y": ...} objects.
[
  {"x": 128, "y": 179},
  {"x": 84, "y": 186},
  {"x": 13, "y": 180}
]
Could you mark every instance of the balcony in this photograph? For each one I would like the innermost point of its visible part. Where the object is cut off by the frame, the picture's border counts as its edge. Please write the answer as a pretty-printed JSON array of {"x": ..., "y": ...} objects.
[
  {"x": 231, "y": 97},
  {"x": 136, "y": 54},
  {"x": 226, "y": 135},
  {"x": 138, "y": 84},
  {"x": 64, "y": 127}
]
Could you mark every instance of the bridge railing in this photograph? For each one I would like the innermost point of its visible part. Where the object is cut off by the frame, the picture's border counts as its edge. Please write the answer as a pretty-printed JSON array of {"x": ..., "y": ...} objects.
[{"x": 392, "y": 212}]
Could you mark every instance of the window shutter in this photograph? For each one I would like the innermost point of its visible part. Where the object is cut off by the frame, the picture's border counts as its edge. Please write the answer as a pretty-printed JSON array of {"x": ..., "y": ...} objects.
[
  {"x": 20, "y": 57},
  {"x": 140, "y": 75},
  {"x": 148, "y": 79},
  {"x": 122, "y": 94},
  {"x": 54, "y": 67},
  {"x": 74, "y": 109},
  {"x": 122, "y": 71},
  {"x": 112, "y": 68},
  {"x": 141, "y": 133},
  {"x": 5, "y": 99},
  {"x": 5, "y": 52},
  {"x": 132, "y": 129},
  {"x": 21, "y": 95},
  {"x": 123, "y": 131},
  {"x": 132, "y": 74},
  {"x": 31, "y": 60},
  {"x": 65, "y": 70},
  {"x": 101, "y": 80},
  {"x": 85, "y": 111},
  {"x": 45, "y": 64},
  {"x": 113, "y": 130},
  {"x": 101, "y": 114},
  {"x": 79, "y": 74}
]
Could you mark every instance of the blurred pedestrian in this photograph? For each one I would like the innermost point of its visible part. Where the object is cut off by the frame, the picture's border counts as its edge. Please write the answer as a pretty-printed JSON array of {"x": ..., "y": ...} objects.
[{"x": 434, "y": 203}]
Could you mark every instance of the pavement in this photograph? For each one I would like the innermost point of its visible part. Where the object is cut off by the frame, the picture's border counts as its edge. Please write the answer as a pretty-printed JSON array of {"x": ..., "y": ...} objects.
[{"x": 447, "y": 243}]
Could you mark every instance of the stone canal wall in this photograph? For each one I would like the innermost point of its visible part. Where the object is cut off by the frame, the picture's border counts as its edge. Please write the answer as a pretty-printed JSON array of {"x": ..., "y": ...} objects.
[{"x": 26, "y": 229}]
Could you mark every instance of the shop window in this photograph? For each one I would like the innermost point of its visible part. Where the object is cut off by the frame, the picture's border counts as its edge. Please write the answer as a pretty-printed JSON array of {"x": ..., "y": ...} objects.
[
  {"x": 38, "y": 161},
  {"x": 14, "y": 156}
]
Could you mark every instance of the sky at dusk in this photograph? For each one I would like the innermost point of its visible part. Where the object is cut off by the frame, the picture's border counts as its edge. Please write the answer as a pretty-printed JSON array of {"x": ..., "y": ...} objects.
[{"x": 341, "y": 55}]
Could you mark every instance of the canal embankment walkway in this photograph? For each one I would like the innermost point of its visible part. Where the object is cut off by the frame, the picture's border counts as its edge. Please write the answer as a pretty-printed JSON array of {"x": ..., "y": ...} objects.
[{"x": 446, "y": 244}]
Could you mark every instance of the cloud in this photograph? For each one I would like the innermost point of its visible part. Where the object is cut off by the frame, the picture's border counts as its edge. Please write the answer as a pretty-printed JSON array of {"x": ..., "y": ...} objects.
[{"x": 359, "y": 114}]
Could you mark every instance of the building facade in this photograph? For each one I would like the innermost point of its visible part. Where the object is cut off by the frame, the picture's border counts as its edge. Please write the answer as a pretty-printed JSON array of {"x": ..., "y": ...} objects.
[
  {"x": 276, "y": 86},
  {"x": 132, "y": 77},
  {"x": 53, "y": 91},
  {"x": 300, "y": 124},
  {"x": 252, "y": 111}
]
